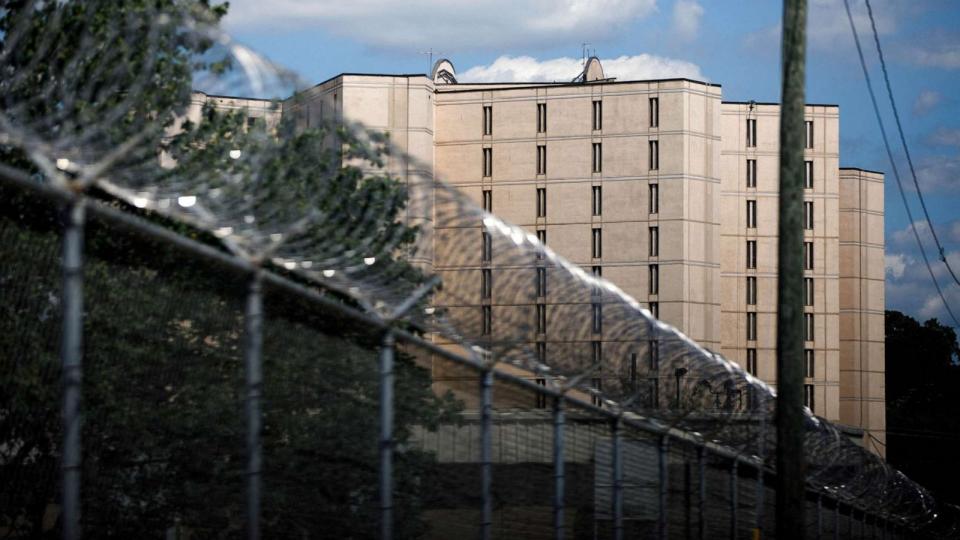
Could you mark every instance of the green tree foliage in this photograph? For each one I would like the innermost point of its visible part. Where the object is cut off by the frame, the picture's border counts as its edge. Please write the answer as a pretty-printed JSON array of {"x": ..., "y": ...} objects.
[
  {"x": 923, "y": 402},
  {"x": 163, "y": 427}
]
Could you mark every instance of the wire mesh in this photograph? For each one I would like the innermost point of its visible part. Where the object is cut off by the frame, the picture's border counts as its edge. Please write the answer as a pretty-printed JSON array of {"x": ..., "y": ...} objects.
[{"x": 318, "y": 203}]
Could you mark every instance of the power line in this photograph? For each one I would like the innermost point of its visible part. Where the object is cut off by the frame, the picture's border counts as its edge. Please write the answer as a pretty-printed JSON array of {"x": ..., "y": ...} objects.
[
  {"x": 903, "y": 142},
  {"x": 893, "y": 164}
]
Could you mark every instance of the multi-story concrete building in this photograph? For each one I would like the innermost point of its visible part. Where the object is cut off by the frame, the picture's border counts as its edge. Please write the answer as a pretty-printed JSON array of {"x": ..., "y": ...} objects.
[{"x": 661, "y": 187}]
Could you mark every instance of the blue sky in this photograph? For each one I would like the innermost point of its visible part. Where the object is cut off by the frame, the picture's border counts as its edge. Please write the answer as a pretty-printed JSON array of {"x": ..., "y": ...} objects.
[{"x": 735, "y": 44}]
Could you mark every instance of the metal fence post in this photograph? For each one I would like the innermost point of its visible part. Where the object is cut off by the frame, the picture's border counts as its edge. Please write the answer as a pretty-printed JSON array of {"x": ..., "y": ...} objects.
[
  {"x": 702, "y": 499},
  {"x": 836, "y": 520},
  {"x": 733, "y": 500},
  {"x": 617, "y": 466},
  {"x": 558, "y": 470},
  {"x": 761, "y": 488},
  {"x": 71, "y": 358},
  {"x": 386, "y": 435},
  {"x": 662, "y": 524},
  {"x": 819, "y": 516},
  {"x": 253, "y": 368},
  {"x": 486, "y": 453}
]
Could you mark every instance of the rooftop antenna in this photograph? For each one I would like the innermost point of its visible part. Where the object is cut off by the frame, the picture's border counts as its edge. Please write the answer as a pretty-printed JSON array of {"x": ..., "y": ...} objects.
[
  {"x": 583, "y": 53},
  {"x": 430, "y": 53}
]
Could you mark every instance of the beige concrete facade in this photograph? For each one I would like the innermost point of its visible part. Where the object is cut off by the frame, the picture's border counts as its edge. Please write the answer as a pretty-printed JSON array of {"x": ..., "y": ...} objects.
[
  {"x": 509, "y": 145},
  {"x": 739, "y": 342},
  {"x": 862, "y": 388}
]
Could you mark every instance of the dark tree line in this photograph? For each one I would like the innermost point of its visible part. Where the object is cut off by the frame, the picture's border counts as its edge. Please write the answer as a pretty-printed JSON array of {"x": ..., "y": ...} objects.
[
  {"x": 163, "y": 429},
  {"x": 923, "y": 403}
]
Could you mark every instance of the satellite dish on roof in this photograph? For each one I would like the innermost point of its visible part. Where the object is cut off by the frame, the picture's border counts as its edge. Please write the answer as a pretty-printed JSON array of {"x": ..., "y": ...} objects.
[
  {"x": 592, "y": 71},
  {"x": 444, "y": 72}
]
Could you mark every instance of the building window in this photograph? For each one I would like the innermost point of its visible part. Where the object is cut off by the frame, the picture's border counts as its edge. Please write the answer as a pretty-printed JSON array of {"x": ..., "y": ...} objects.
[
  {"x": 809, "y": 130},
  {"x": 654, "y": 198},
  {"x": 487, "y": 322},
  {"x": 808, "y": 215},
  {"x": 488, "y": 200},
  {"x": 654, "y": 241},
  {"x": 751, "y": 132},
  {"x": 541, "y": 397},
  {"x": 597, "y": 115},
  {"x": 541, "y": 159},
  {"x": 751, "y": 326},
  {"x": 597, "y": 243},
  {"x": 808, "y": 175},
  {"x": 541, "y": 202},
  {"x": 487, "y": 247},
  {"x": 597, "y": 200},
  {"x": 541, "y": 117},
  {"x": 487, "y": 162},
  {"x": 751, "y": 173},
  {"x": 751, "y": 214},
  {"x": 542, "y": 238},
  {"x": 751, "y": 254},
  {"x": 808, "y": 396},
  {"x": 752, "y": 362},
  {"x": 654, "y": 155},
  {"x": 595, "y": 398},
  {"x": 808, "y": 255},
  {"x": 487, "y": 120},
  {"x": 654, "y": 279},
  {"x": 654, "y": 112},
  {"x": 808, "y": 326},
  {"x": 597, "y": 273},
  {"x": 597, "y": 318},
  {"x": 654, "y": 401},
  {"x": 541, "y": 282},
  {"x": 597, "y": 157},
  {"x": 655, "y": 309},
  {"x": 808, "y": 291},
  {"x": 751, "y": 290},
  {"x": 654, "y": 356},
  {"x": 541, "y": 319},
  {"x": 486, "y": 283},
  {"x": 808, "y": 365}
]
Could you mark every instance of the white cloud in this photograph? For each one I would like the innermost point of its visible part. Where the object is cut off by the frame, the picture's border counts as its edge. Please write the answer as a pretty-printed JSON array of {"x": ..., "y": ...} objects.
[
  {"x": 895, "y": 264},
  {"x": 624, "y": 68},
  {"x": 686, "y": 18},
  {"x": 943, "y": 54},
  {"x": 447, "y": 25},
  {"x": 926, "y": 101},
  {"x": 828, "y": 26},
  {"x": 946, "y": 137},
  {"x": 939, "y": 174}
]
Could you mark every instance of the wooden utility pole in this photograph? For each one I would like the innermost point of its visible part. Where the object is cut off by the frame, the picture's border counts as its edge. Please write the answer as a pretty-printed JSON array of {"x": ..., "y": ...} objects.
[{"x": 791, "y": 469}]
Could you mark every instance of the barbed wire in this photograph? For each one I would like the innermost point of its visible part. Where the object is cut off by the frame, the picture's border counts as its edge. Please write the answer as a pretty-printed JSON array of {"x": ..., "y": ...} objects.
[{"x": 319, "y": 201}]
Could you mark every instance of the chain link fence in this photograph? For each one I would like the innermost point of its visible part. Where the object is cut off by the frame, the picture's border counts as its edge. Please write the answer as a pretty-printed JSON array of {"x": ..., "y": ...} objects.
[{"x": 258, "y": 331}]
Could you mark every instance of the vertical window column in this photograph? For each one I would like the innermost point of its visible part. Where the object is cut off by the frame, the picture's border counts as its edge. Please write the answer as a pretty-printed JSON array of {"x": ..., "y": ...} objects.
[
  {"x": 597, "y": 244},
  {"x": 487, "y": 162},
  {"x": 751, "y": 173},
  {"x": 541, "y": 202},
  {"x": 597, "y": 200},
  {"x": 541, "y": 159},
  {"x": 808, "y": 174},
  {"x": 751, "y": 214},
  {"x": 488, "y": 200},
  {"x": 808, "y": 126},
  {"x": 653, "y": 237},
  {"x": 488, "y": 120},
  {"x": 541, "y": 117},
  {"x": 597, "y": 157},
  {"x": 597, "y": 115},
  {"x": 654, "y": 155},
  {"x": 654, "y": 198},
  {"x": 654, "y": 112},
  {"x": 751, "y": 132}
]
